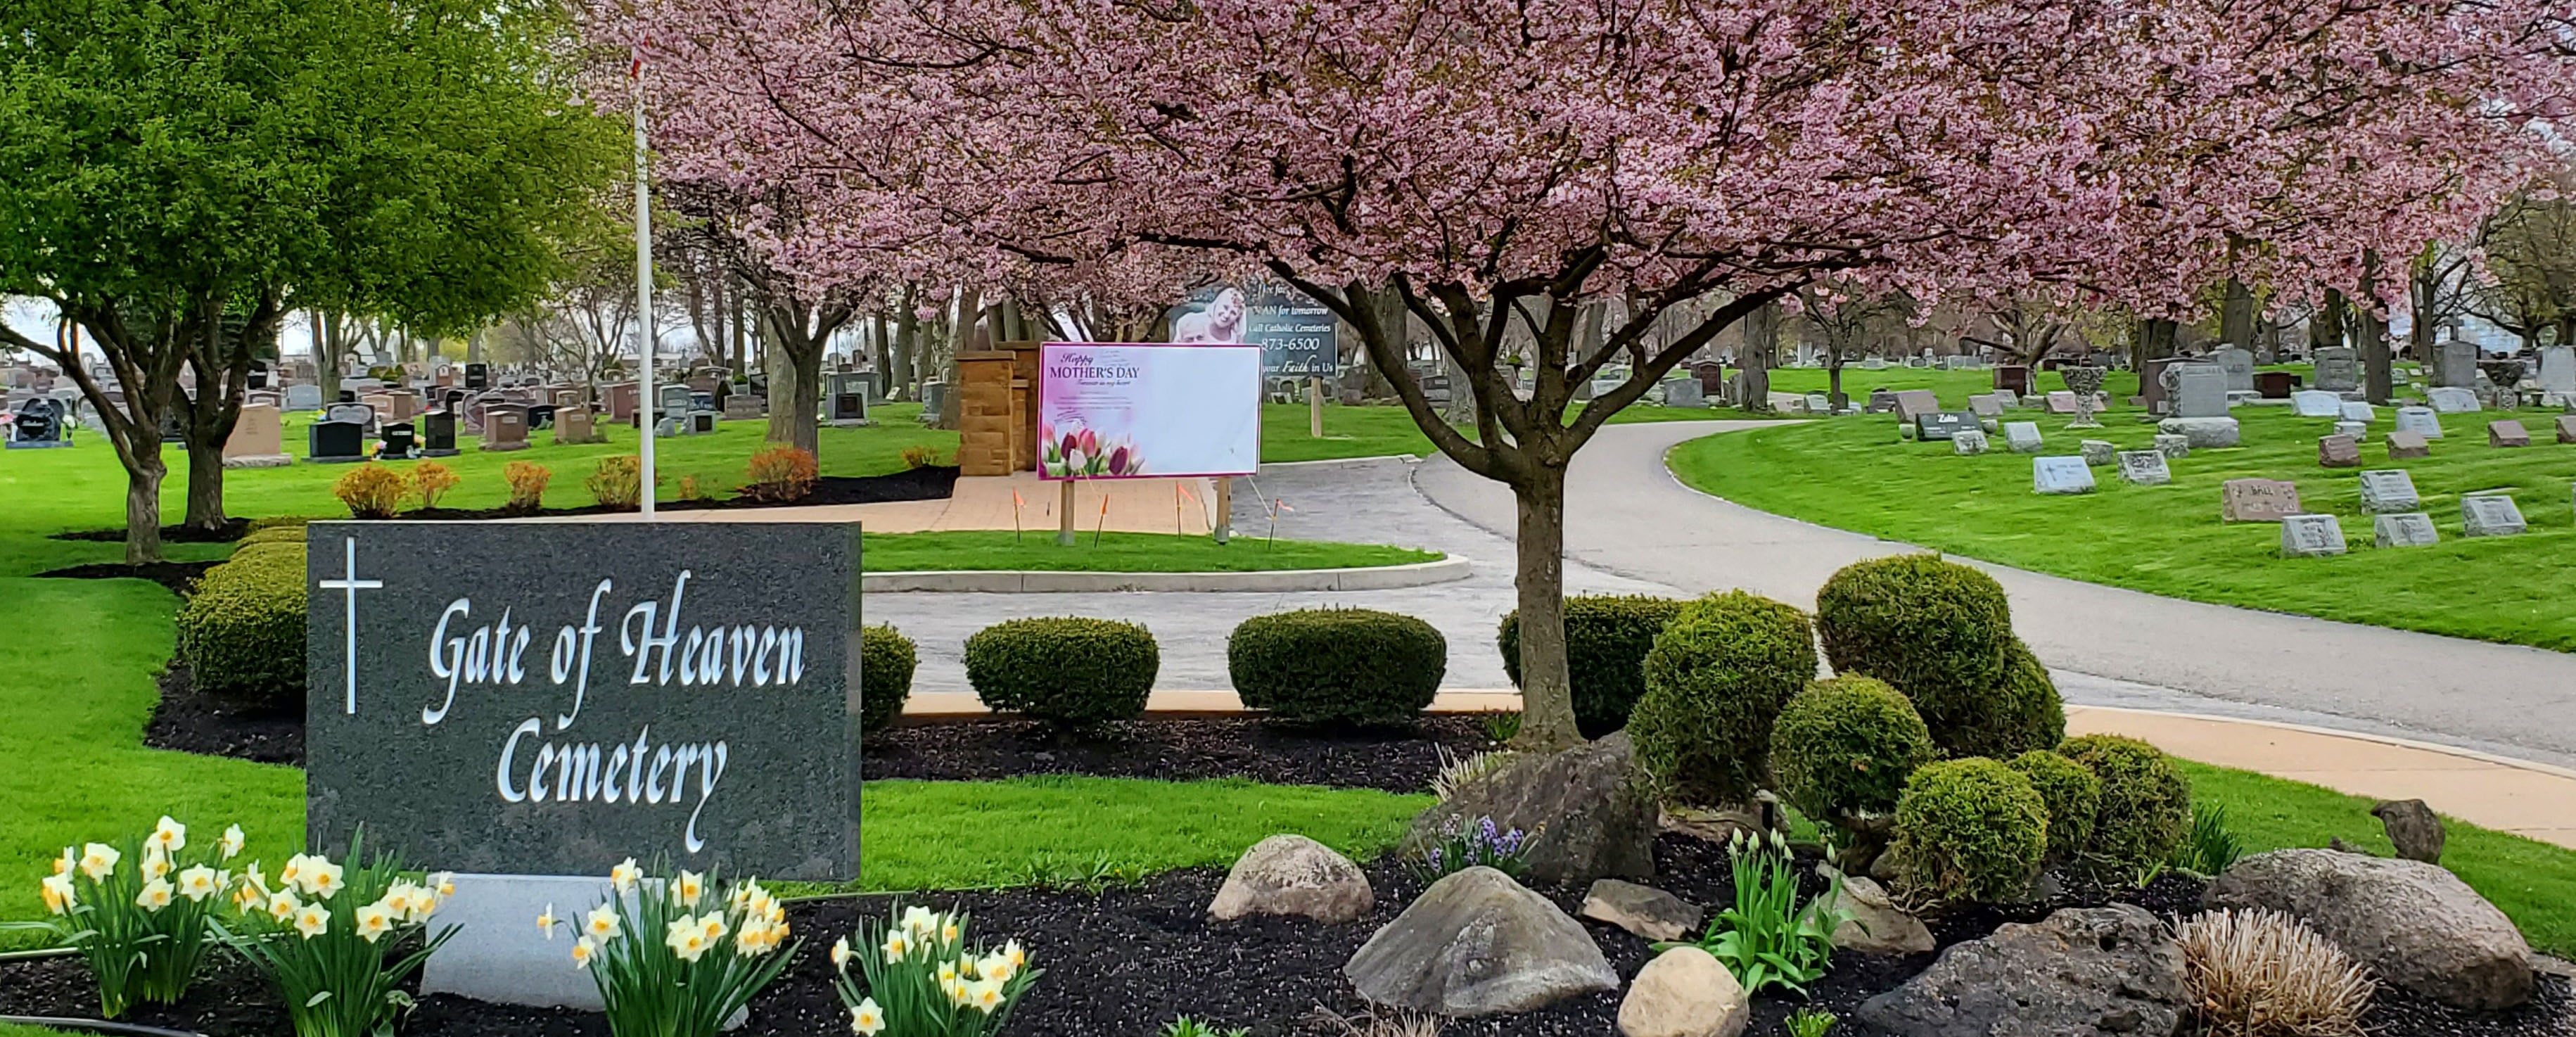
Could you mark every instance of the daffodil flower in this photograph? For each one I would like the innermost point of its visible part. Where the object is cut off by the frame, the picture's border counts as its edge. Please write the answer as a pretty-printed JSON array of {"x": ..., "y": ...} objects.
[
  {"x": 840, "y": 953},
  {"x": 444, "y": 883},
  {"x": 322, "y": 879},
  {"x": 231, "y": 843},
  {"x": 896, "y": 946},
  {"x": 602, "y": 923},
  {"x": 197, "y": 883},
  {"x": 546, "y": 922},
  {"x": 168, "y": 836},
  {"x": 582, "y": 951},
  {"x": 312, "y": 921},
  {"x": 625, "y": 875},
  {"x": 374, "y": 920},
  {"x": 867, "y": 1020},
  {"x": 687, "y": 938},
  {"x": 920, "y": 920},
  {"x": 282, "y": 905},
  {"x": 714, "y": 925},
  {"x": 65, "y": 863},
  {"x": 985, "y": 996},
  {"x": 97, "y": 859},
  {"x": 156, "y": 864},
  {"x": 59, "y": 896},
  {"x": 689, "y": 888},
  {"x": 155, "y": 895}
]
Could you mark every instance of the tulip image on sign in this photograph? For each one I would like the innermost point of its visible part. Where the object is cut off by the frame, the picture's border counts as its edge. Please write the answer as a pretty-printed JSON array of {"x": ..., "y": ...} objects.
[{"x": 1073, "y": 452}]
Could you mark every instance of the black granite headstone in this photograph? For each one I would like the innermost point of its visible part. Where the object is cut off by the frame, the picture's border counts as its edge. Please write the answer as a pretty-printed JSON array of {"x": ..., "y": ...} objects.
[
  {"x": 396, "y": 442},
  {"x": 478, "y": 376},
  {"x": 438, "y": 434},
  {"x": 1943, "y": 424},
  {"x": 575, "y": 694},
  {"x": 328, "y": 441}
]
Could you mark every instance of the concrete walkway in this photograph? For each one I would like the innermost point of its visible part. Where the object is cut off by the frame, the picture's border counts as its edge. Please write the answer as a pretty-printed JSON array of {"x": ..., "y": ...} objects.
[
  {"x": 1184, "y": 506},
  {"x": 1627, "y": 515}
]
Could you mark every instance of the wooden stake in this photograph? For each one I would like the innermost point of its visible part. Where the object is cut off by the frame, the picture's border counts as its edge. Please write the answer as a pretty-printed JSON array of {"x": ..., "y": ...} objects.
[
  {"x": 1224, "y": 508},
  {"x": 1064, "y": 516},
  {"x": 1315, "y": 407}
]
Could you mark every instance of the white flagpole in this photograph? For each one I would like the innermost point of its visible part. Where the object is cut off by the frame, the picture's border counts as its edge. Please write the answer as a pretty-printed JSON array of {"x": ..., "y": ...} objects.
[{"x": 644, "y": 290}]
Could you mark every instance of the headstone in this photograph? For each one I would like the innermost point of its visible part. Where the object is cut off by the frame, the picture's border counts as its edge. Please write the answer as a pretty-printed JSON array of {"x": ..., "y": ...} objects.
[
  {"x": 1684, "y": 392},
  {"x": 743, "y": 406},
  {"x": 2174, "y": 448},
  {"x": 2408, "y": 446},
  {"x": 2273, "y": 385},
  {"x": 2490, "y": 515},
  {"x": 1913, "y": 403},
  {"x": 2458, "y": 366},
  {"x": 2451, "y": 400},
  {"x": 2060, "y": 475},
  {"x": 505, "y": 426},
  {"x": 2098, "y": 453},
  {"x": 331, "y": 441},
  {"x": 2567, "y": 428},
  {"x": 478, "y": 376},
  {"x": 438, "y": 433},
  {"x": 2200, "y": 390},
  {"x": 573, "y": 427},
  {"x": 2339, "y": 452},
  {"x": 2204, "y": 433},
  {"x": 2389, "y": 491},
  {"x": 2145, "y": 468},
  {"x": 2239, "y": 366},
  {"x": 257, "y": 440},
  {"x": 477, "y": 744},
  {"x": 2357, "y": 410},
  {"x": 2312, "y": 403},
  {"x": 1881, "y": 401},
  {"x": 1941, "y": 425},
  {"x": 40, "y": 424},
  {"x": 2354, "y": 429},
  {"x": 2007, "y": 397},
  {"x": 1968, "y": 442},
  {"x": 2014, "y": 377},
  {"x": 394, "y": 442},
  {"x": 702, "y": 421},
  {"x": 2507, "y": 433},
  {"x": 1986, "y": 405},
  {"x": 2412, "y": 529},
  {"x": 2061, "y": 402},
  {"x": 2338, "y": 369},
  {"x": 303, "y": 397},
  {"x": 362, "y": 414},
  {"x": 2311, "y": 536},
  {"x": 2558, "y": 375},
  {"x": 622, "y": 400},
  {"x": 1819, "y": 403},
  {"x": 2022, "y": 437},
  {"x": 2420, "y": 421},
  {"x": 2257, "y": 500},
  {"x": 1874, "y": 364}
]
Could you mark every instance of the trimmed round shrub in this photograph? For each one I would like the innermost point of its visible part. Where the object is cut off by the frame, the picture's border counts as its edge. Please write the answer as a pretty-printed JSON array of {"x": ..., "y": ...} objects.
[
  {"x": 1337, "y": 666},
  {"x": 1607, "y": 637},
  {"x": 886, "y": 662},
  {"x": 1970, "y": 830},
  {"x": 1715, "y": 681},
  {"x": 1844, "y": 747},
  {"x": 241, "y": 632},
  {"x": 1067, "y": 671},
  {"x": 2027, "y": 715},
  {"x": 2146, "y": 804},
  {"x": 1936, "y": 631},
  {"x": 2072, "y": 793}
]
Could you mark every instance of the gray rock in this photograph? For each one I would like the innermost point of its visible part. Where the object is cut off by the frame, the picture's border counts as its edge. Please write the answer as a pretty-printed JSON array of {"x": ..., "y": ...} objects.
[
  {"x": 1295, "y": 876},
  {"x": 1643, "y": 910},
  {"x": 1684, "y": 992},
  {"x": 2099, "y": 453},
  {"x": 1587, "y": 805},
  {"x": 2174, "y": 447},
  {"x": 2082, "y": 972},
  {"x": 2413, "y": 828},
  {"x": 1477, "y": 943},
  {"x": 2202, "y": 433},
  {"x": 1872, "y": 923},
  {"x": 2411, "y": 923}
]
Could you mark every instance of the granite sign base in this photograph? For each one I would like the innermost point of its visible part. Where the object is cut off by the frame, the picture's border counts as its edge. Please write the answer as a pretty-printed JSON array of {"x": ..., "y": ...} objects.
[{"x": 498, "y": 955}]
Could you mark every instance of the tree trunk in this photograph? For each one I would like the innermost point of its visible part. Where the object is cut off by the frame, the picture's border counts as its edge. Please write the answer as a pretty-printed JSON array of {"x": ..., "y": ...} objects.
[
  {"x": 2325, "y": 327},
  {"x": 143, "y": 499},
  {"x": 795, "y": 364},
  {"x": 1761, "y": 352},
  {"x": 884, "y": 349},
  {"x": 205, "y": 487},
  {"x": 2236, "y": 316},
  {"x": 907, "y": 348},
  {"x": 1834, "y": 381},
  {"x": 1547, "y": 696},
  {"x": 2378, "y": 368}
]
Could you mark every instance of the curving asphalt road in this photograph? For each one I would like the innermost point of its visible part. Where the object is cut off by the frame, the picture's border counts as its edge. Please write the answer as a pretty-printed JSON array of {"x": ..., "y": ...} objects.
[{"x": 1627, "y": 516}]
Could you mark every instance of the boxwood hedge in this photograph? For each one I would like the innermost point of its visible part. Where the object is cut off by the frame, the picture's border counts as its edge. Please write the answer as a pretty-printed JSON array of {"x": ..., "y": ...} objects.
[{"x": 1337, "y": 666}]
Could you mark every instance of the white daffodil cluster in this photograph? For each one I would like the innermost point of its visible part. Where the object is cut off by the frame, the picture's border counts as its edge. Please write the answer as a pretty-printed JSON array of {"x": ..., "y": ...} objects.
[
  {"x": 158, "y": 878},
  {"x": 750, "y": 915},
  {"x": 922, "y": 976},
  {"x": 308, "y": 883},
  {"x": 140, "y": 907}
]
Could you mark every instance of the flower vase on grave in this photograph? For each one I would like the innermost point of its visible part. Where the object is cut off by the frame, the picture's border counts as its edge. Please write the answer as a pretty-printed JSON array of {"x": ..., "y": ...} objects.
[{"x": 2085, "y": 382}]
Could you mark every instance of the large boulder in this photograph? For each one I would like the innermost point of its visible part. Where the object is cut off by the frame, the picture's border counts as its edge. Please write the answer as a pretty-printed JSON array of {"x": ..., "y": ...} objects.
[
  {"x": 1684, "y": 992},
  {"x": 2082, "y": 972},
  {"x": 1478, "y": 943},
  {"x": 2413, "y": 828},
  {"x": 1296, "y": 876},
  {"x": 2411, "y": 923},
  {"x": 1644, "y": 910},
  {"x": 1872, "y": 923},
  {"x": 1590, "y": 814}
]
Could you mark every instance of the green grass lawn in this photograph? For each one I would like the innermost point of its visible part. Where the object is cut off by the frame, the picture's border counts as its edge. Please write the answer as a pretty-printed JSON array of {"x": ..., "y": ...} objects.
[
  {"x": 1853, "y": 473},
  {"x": 1120, "y": 552}
]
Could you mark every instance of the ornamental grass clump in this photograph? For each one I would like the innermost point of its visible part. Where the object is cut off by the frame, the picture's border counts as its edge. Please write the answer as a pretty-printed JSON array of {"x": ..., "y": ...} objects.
[
  {"x": 920, "y": 976},
  {"x": 679, "y": 955},
  {"x": 338, "y": 940},
  {"x": 1460, "y": 845},
  {"x": 2266, "y": 974},
  {"x": 137, "y": 911},
  {"x": 1771, "y": 937}
]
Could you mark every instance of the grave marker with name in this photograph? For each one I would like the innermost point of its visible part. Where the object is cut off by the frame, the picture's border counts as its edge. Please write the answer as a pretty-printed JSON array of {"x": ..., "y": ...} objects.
[
  {"x": 2257, "y": 500},
  {"x": 2174, "y": 447},
  {"x": 1968, "y": 442},
  {"x": 2507, "y": 433},
  {"x": 1986, "y": 405},
  {"x": 2312, "y": 403},
  {"x": 2098, "y": 453},
  {"x": 2420, "y": 421},
  {"x": 258, "y": 440},
  {"x": 2239, "y": 367},
  {"x": 2339, "y": 452},
  {"x": 2412, "y": 529},
  {"x": 2061, "y": 402},
  {"x": 2144, "y": 468},
  {"x": 2408, "y": 446},
  {"x": 2199, "y": 390},
  {"x": 1941, "y": 425},
  {"x": 1914, "y": 403},
  {"x": 2389, "y": 491},
  {"x": 2357, "y": 410},
  {"x": 2490, "y": 515},
  {"x": 2022, "y": 437},
  {"x": 2338, "y": 369},
  {"x": 2311, "y": 536},
  {"x": 2060, "y": 475},
  {"x": 2451, "y": 400},
  {"x": 2567, "y": 428}
]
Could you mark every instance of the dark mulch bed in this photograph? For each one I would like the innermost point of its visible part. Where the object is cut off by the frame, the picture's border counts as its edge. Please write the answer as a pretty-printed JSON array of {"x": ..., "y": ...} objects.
[
  {"x": 190, "y": 721},
  {"x": 1402, "y": 759},
  {"x": 178, "y": 576},
  {"x": 231, "y": 530},
  {"x": 1121, "y": 962}
]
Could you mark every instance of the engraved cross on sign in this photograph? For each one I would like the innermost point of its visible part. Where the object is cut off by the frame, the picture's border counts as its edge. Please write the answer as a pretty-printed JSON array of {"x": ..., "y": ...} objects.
[{"x": 350, "y": 583}]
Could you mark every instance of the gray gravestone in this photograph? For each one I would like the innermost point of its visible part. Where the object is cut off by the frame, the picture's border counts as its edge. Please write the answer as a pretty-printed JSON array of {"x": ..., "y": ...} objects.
[
  {"x": 2312, "y": 403},
  {"x": 1986, "y": 405},
  {"x": 2311, "y": 536},
  {"x": 2412, "y": 529},
  {"x": 1819, "y": 403},
  {"x": 2420, "y": 421},
  {"x": 2239, "y": 366},
  {"x": 2204, "y": 433},
  {"x": 1968, "y": 442},
  {"x": 2007, "y": 397},
  {"x": 2490, "y": 515},
  {"x": 303, "y": 397},
  {"x": 2352, "y": 430},
  {"x": 2451, "y": 400},
  {"x": 2022, "y": 437},
  {"x": 2566, "y": 426},
  {"x": 2407, "y": 446},
  {"x": 2557, "y": 375},
  {"x": 2507, "y": 433},
  {"x": 2200, "y": 391},
  {"x": 2357, "y": 410},
  {"x": 2144, "y": 468},
  {"x": 1684, "y": 392},
  {"x": 2389, "y": 491},
  {"x": 2098, "y": 453},
  {"x": 2257, "y": 500},
  {"x": 583, "y": 693},
  {"x": 1914, "y": 403},
  {"x": 2338, "y": 370},
  {"x": 2061, "y": 402},
  {"x": 2060, "y": 475},
  {"x": 2458, "y": 365},
  {"x": 2174, "y": 447}
]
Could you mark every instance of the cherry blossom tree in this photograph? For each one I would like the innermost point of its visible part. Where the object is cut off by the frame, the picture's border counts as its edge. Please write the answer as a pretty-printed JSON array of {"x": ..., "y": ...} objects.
[{"x": 1483, "y": 166}]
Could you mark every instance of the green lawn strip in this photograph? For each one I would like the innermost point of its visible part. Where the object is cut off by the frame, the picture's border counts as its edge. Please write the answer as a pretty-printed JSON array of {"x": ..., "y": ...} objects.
[
  {"x": 1120, "y": 552},
  {"x": 1853, "y": 473},
  {"x": 1386, "y": 430},
  {"x": 2534, "y": 883}
]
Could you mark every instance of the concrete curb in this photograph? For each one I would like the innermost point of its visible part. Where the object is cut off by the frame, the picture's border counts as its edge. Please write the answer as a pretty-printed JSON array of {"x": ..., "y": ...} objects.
[{"x": 1001, "y": 581}]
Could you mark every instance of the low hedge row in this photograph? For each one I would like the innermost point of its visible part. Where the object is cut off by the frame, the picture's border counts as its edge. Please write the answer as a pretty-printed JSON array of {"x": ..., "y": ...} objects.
[
  {"x": 1337, "y": 666},
  {"x": 241, "y": 632}
]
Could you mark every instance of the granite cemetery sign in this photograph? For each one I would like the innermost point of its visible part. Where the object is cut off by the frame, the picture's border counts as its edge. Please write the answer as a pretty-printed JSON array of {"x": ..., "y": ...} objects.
[{"x": 578, "y": 694}]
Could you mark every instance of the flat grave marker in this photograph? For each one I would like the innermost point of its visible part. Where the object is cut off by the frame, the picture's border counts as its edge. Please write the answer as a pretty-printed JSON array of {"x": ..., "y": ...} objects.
[
  {"x": 1941, "y": 425},
  {"x": 2257, "y": 500},
  {"x": 2145, "y": 468},
  {"x": 2357, "y": 410},
  {"x": 2061, "y": 402},
  {"x": 1986, "y": 405},
  {"x": 2098, "y": 453},
  {"x": 2408, "y": 446},
  {"x": 2022, "y": 437},
  {"x": 2174, "y": 447},
  {"x": 2507, "y": 433},
  {"x": 1968, "y": 442},
  {"x": 2446, "y": 399},
  {"x": 2060, "y": 476},
  {"x": 1913, "y": 403},
  {"x": 2339, "y": 452},
  {"x": 2567, "y": 428},
  {"x": 2313, "y": 403},
  {"x": 2411, "y": 529},
  {"x": 2311, "y": 536},
  {"x": 2421, "y": 421},
  {"x": 2389, "y": 491},
  {"x": 2490, "y": 515}
]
